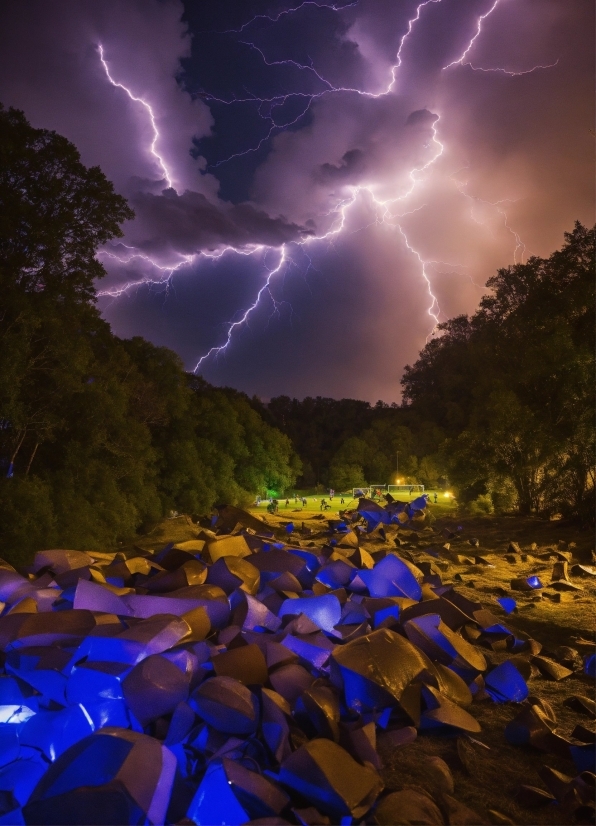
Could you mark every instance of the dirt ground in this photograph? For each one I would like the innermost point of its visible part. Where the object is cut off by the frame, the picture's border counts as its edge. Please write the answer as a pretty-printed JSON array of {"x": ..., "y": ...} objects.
[{"x": 552, "y": 617}]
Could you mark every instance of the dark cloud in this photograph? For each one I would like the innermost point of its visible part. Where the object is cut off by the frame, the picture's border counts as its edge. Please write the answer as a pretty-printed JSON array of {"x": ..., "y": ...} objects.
[
  {"x": 420, "y": 180},
  {"x": 189, "y": 223},
  {"x": 421, "y": 116},
  {"x": 351, "y": 166}
]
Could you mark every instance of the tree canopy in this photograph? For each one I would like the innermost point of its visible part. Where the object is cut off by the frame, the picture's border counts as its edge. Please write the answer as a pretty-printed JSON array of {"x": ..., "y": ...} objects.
[{"x": 512, "y": 387}]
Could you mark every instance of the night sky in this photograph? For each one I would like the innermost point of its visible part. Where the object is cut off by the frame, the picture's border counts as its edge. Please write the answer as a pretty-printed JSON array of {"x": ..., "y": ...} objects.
[{"x": 355, "y": 171}]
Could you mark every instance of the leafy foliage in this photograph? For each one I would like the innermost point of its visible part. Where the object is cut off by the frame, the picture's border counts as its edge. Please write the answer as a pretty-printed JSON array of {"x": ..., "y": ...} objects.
[{"x": 512, "y": 387}]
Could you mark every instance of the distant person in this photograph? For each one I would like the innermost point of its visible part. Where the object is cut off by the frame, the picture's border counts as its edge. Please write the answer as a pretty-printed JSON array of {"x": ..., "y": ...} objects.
[
  {"x": 287, "y": 503},
  {"x": 303, "y": 502},
  {"x": 341, "y": 501},
  {"x": 323, "y": 503},
  {"x": 436, "y": 499}
]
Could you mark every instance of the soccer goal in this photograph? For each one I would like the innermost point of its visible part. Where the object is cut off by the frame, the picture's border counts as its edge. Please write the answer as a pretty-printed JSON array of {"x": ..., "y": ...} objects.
[
  {"x": 417, "y": 489},
  {"x": 369, "y": 491}
]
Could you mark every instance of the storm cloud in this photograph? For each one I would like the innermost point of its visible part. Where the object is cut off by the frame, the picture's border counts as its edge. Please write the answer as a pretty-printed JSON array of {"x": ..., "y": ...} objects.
[
  {"x": 189, "y": 224},
  {"x": 361, "y": 170}
]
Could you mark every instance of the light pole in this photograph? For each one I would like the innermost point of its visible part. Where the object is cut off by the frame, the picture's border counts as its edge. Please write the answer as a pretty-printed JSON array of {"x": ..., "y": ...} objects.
[{"x": 397, "y": 462}]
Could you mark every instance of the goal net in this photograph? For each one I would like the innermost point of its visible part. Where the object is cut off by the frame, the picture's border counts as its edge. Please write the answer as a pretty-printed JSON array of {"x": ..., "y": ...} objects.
[
  {"x": 417, "y": 489},
  {"x": 369, "y": 491}
]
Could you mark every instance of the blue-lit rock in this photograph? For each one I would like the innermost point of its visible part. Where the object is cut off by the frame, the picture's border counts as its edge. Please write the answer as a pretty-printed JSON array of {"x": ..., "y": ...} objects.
[
  {"x": 505, "y": 684},
  {"x": 328, "y": 776},
  {"x": 239, "y": 677},
  {"x": 226, "y": 705},
  {"x": 115, "y": 771},
  {"x": 324, "y": 611},
  {"x": 391, "y": 577}
]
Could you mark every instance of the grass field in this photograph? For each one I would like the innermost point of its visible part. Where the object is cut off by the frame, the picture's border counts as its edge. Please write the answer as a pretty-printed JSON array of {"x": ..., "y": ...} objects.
[{"x": 445, "y": 506}]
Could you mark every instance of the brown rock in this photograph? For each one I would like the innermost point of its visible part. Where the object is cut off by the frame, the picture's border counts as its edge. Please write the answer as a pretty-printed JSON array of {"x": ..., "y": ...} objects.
[
  {"x": 245, "y": 663},
  {"x": 565, "y": 585},
  {"x": 583, "y": 570},
  {"x": 498, "y": 818},
  {"x": 340, "y": 786},
  {"x": 560, "y": 571},
  {"x": 470, "y": 754},
  {"x": 551, "y": 669},
  {"x": 408, "y": 807},
  {"x": 532, "y": 797},
  {"x": 396, "y": 738},
  {"x": 438, "y": 774},
  {"x": 449, "y": 714},
  {"x": 584, "y": 705},
  {"x": 458, "y": 814},
  {"x": 558, "y": 784},
  {"x": 583, "y": 733},
  {"x": 568, "y": 656}
]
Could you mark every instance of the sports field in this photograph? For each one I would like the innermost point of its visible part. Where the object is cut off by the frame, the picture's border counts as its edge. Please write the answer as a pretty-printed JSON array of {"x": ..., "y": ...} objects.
[{"x": 443, "y": 506}]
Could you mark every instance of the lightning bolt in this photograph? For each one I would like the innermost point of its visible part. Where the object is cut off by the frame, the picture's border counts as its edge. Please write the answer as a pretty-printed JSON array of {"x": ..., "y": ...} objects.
[
  {"x": 519, "y": 247},
  {"x": 309, "y": 97},
  {"x": 162, "y": 280},
  {"x": 511, "y": 73},
  {"x": 434, "y": 309},
  {"x": 153, "y": 147},
  {"x": 266, "y": 288},
  {"x": 385, "y": 210},
  {"x": 464, "y": 54},
  {"x": 461, "y": 60},
  {"x": 167, "y": 270},
  {"x": 293, "y": 10}
]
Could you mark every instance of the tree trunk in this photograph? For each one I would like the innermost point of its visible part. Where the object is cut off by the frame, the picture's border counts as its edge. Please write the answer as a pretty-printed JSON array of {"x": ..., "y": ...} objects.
[
  {"x": 31, "y": 458},
  {"x": 524, "y": 495},
  {"x": 18, "y": 447}
]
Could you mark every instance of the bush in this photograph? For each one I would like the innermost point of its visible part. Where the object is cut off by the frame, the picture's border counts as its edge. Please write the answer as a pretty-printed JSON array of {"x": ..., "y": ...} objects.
[
  {"x": 28, "y": 519},
  {"x": 481, "y": 506}
]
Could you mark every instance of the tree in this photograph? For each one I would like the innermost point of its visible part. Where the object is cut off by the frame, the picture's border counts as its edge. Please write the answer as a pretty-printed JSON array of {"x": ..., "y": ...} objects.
[
  {"x": 54, "y": 213},
  {"x": 317, "y": 427},
  {"x": 261, "y": 456},
  {"x": 512, "y": 387},
  {"x": 347, "y": 467}
]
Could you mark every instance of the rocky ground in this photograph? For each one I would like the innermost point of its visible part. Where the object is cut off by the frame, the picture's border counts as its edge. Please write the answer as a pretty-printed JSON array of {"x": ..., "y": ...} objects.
[
  {"x": 380, "y": 666},
  {"x": 482, "y": 557}
]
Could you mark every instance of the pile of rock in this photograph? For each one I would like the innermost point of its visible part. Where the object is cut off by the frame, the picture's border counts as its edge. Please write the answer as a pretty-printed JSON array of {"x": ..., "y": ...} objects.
[{"x": 249, "y": 675}]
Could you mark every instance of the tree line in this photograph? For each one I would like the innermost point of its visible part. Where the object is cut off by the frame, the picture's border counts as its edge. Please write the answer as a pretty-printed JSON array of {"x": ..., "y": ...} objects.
[
  {"x": 99, "y": 436},
  {"x": 347, "y": 443}
]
